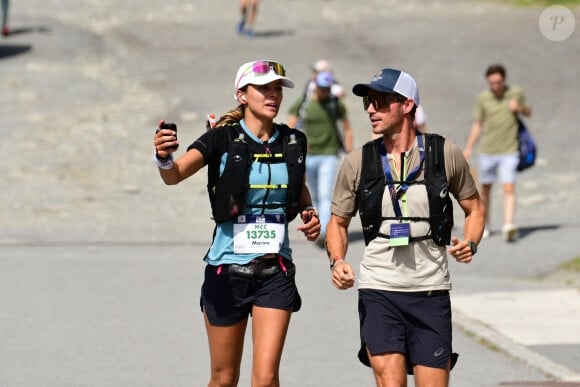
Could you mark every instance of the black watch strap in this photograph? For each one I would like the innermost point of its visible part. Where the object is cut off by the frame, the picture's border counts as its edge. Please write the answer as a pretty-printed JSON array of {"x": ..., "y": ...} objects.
[
  {"x": 334, "y": 260},
  {"x": 472, "y": 246}
]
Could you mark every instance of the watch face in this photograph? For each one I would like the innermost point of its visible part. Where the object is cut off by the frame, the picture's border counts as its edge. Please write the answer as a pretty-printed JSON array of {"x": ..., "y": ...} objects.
[{"x": 473, "y": 247}]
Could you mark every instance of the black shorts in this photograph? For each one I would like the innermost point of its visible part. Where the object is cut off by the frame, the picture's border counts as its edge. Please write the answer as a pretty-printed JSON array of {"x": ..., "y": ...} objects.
[
  {"x": 416, "y": 324},
  {"x": 227, "y": 298}
]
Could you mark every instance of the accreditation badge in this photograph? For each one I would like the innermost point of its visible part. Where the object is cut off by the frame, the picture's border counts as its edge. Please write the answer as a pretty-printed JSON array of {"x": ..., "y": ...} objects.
[
  {"x": 400, "y": 233},
  {"x": 261, "y": 234}
]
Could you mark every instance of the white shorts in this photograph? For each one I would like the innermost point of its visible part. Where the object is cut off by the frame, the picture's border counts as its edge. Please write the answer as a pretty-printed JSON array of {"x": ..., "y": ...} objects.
[{"x": 491, "y": 165}]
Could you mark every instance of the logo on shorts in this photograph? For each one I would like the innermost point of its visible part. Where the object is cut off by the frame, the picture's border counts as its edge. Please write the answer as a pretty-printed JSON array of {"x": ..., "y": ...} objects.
[{"x": 438, "y": 352}]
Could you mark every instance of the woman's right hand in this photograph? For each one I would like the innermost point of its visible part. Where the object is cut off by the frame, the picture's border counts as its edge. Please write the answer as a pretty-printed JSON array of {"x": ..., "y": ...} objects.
[{"x": 165, "y": 141}]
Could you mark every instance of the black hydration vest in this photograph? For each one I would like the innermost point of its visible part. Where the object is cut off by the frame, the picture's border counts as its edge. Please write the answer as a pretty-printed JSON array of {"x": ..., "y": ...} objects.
[
  {"x": 228, "y": 192},
  {"x": 372, "y": 186}
]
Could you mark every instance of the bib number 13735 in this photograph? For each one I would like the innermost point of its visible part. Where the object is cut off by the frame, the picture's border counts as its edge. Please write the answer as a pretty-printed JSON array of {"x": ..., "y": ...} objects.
[{"x": 259, "y": 234}]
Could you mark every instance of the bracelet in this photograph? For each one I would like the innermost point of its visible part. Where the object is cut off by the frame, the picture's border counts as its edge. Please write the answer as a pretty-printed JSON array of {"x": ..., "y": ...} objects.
[
  {"x": 163, "y": 163},
  {"x": 334, "y": 261}
]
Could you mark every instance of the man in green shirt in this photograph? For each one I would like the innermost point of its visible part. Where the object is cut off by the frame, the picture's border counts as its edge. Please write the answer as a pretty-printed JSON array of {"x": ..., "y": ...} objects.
[
  {"x": 318, "y": 115},
  {"x": 495, "y": 120}
]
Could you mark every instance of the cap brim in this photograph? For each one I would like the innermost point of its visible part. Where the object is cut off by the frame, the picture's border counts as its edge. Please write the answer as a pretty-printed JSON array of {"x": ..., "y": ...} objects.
[
  {"x": 287, "y": 83},
  {"x": 362, "y": 89},
  {"x": 265, "y": 79}
]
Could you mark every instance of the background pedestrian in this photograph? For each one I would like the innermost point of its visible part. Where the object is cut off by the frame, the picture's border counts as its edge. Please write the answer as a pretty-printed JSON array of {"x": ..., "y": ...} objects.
[
  {"x": 321, "y": 118},
  {"x": 249, "y": 10},
  {"x": 5, "y": 28},
  {"x": 495, "y": 121}
]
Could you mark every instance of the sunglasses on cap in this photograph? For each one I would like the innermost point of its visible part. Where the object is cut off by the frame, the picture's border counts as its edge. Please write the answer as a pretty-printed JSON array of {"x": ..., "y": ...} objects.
[
  {"x": 380, "y": 101},
  {"x": 263, "y": 68}
]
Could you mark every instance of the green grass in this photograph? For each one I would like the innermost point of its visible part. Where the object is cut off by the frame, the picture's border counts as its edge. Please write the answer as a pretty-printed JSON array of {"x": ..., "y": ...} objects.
[
  {"x": 573, "y": 265},
  {"x": 541, "y": 3}
]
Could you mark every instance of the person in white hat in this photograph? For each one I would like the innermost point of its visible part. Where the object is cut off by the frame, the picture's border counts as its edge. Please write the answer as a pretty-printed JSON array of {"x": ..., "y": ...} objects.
[
  {"x": 404, "y": 279},
  {"x": 256, "y": 187},
  {"x": 317, "y": 67}
]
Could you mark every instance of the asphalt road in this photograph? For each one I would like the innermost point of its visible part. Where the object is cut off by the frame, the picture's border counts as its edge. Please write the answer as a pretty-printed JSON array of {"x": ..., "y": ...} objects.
[{"x": 100, "y": 263}]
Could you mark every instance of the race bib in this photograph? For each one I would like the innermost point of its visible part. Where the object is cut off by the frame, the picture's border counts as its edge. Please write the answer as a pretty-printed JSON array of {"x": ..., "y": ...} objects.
[{"x": 261, "y": 234}]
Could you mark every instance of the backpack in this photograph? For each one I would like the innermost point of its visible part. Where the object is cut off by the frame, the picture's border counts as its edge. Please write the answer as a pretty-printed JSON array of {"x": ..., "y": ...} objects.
[
  {"x": 228, "y": 191},
  {"x": 372, "y": 187},
  {"x": 440, "y": 204},
  {"x": 527, "y": 147}
]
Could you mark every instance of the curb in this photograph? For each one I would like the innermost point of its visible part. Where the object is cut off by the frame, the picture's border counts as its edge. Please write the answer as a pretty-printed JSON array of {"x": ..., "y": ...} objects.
[{"x": 513, "y": 349}]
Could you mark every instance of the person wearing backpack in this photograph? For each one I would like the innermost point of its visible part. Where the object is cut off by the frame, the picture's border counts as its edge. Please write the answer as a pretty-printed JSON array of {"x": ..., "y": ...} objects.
[
  {"x": 495, "y": 120},
  {"x": 320, "y": 117},
  {"x": 256, "y": 187},
  {"x": 317, "y": 67},
  {"x": 400, "y": 185}
]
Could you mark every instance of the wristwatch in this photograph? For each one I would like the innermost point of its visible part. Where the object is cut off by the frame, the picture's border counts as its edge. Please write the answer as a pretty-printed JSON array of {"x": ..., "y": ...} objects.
[
  {"x": 472, "y": 246},
  {"x": 334, "y": 260}
]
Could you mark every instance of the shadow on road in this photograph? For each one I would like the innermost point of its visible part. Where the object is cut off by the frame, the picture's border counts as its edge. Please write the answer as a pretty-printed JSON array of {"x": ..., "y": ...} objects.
[
  {"x": 272, "y": 33},
  {"x": 7, "y": 51},
  {"x": 29, "y": 30},
  {"x": 526, "y": 231}
]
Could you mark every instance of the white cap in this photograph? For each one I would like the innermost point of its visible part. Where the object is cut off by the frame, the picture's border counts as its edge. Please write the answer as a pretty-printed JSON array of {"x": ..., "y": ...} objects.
[
  {"x": 321, "y": 65},
  {"x": 247, "y": 76}
]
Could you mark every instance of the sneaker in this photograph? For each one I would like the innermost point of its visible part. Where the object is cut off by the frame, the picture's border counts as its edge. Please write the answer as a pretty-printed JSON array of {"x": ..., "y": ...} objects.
[
  {"x": 509, "y": 232},
  {"x": 241, "y": 26},
  {"x": 5, "y": 31},
  {"x": 486, "y": 233},
  {"x": 250, "y": 33}
]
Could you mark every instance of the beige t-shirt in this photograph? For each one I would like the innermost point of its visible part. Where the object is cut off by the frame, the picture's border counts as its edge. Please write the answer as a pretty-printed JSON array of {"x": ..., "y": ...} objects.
[
  {"x": 500, "y": 126},
  {"x": 421, "y": 265}
]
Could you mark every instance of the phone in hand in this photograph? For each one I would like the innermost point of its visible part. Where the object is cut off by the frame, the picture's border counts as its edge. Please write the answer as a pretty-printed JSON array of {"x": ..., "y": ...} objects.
[{"x": 171, "y": 126}]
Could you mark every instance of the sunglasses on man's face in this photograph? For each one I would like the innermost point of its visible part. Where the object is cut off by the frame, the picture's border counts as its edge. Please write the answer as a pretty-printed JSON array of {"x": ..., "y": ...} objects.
[
  {"x": 380, "y": 101},
  {"x": 263, "y": 68}
]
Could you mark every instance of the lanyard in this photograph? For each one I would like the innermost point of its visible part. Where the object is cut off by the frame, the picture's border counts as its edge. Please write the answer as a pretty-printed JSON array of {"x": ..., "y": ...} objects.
[{"x": 400, "y": 189}]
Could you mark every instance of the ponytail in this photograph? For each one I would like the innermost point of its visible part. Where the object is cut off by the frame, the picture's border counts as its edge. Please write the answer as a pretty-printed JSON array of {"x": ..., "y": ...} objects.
[{"x": 233, "y": 116}]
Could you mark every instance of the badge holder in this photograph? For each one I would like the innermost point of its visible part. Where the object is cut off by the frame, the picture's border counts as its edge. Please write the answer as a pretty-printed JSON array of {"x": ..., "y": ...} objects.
[{"x": 400, "y": 233}]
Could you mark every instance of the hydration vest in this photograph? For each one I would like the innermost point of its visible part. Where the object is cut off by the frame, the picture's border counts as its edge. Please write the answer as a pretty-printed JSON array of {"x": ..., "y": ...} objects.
[
  {"x": 228, "y": 192},
  {"x": 372, "y": 186}
]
